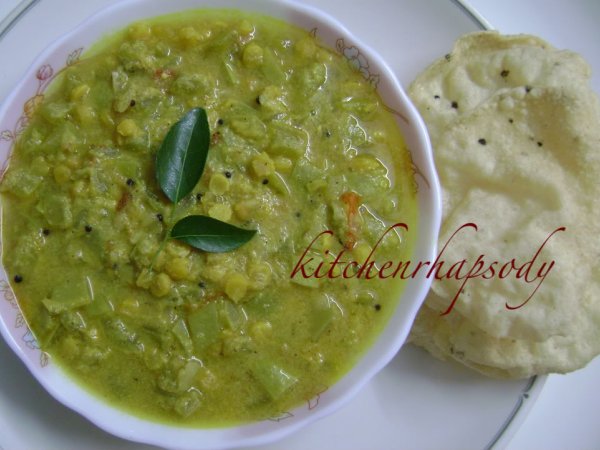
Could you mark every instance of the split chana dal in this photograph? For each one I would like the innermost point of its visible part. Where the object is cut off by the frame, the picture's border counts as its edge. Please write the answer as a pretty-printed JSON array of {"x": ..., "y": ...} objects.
[{"x": 300, "y": 143}]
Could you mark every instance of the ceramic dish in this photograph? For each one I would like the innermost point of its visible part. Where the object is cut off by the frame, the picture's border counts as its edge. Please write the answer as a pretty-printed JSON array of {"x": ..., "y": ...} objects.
[
  {"x": 14, "y": 116},
  {"x": 402, "y": 405}
]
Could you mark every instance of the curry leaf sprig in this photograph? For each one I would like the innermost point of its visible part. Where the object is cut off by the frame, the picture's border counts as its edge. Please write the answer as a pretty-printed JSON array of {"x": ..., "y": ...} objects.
[
  {"x": 182, "y": 155},
  {"x": 180, "y": 163}
]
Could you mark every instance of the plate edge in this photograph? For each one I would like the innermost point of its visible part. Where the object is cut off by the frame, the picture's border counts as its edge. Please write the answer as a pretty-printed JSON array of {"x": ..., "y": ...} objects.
[
  {"x": 475, "y": 16},
  {"x": 13, "y": 17},
  {"x": 526, "y": 400}
]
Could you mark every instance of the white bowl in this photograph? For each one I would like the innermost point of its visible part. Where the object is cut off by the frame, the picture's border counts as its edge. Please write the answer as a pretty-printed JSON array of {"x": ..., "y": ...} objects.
[{"x": 66, "y": 50}]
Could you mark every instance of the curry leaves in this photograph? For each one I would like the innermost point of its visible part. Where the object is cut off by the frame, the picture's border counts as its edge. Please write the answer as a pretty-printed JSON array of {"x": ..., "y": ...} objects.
[
  {"x": 180, "y": 163},
  {"x": 210, "y": 235},
  {"x": 181, "y": 157}
]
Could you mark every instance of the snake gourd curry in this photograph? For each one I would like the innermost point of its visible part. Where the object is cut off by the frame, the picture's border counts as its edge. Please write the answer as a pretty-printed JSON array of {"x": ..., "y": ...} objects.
[{"x": 300, "y": 143}]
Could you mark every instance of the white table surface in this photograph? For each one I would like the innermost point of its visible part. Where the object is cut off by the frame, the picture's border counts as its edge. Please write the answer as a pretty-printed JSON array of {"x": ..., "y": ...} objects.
[{"x": 565, "y": 415}]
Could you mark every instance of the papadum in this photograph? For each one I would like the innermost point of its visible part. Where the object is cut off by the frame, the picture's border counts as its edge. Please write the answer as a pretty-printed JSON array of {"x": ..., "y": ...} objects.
[{"x": 519, "y": 158}]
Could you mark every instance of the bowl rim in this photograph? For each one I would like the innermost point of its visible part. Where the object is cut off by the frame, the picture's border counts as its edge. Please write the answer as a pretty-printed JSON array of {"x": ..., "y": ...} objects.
[{"x": 126, "y": 425}]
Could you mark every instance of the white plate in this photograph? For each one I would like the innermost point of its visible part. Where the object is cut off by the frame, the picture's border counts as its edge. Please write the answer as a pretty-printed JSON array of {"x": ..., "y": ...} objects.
[{"x": 416, "y": 402}]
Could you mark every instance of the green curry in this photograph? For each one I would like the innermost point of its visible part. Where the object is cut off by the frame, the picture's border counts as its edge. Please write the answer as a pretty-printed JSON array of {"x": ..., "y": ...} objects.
[{"x": 300, "y": 143}]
